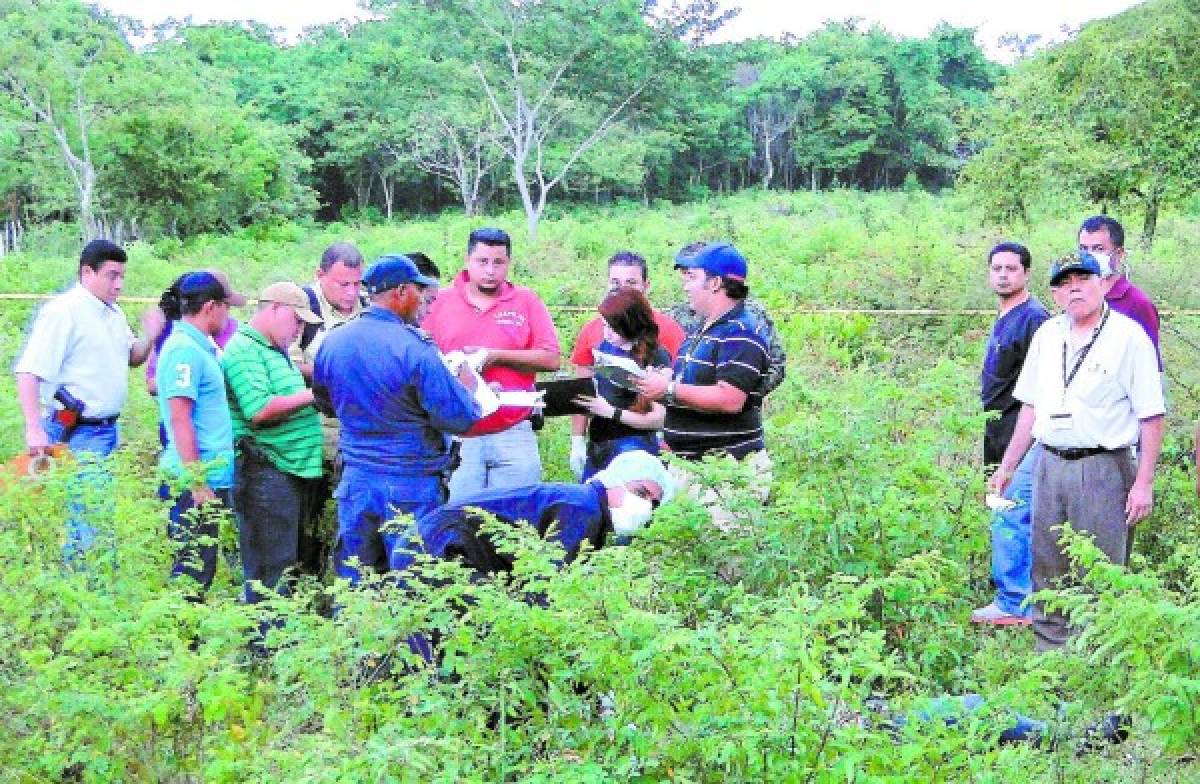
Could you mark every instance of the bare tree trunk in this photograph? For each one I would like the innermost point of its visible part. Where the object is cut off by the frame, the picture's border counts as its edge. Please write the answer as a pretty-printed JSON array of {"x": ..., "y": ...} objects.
[
  {"x": 1150, "y": 223},
  {"x": 768, "y": 163}
]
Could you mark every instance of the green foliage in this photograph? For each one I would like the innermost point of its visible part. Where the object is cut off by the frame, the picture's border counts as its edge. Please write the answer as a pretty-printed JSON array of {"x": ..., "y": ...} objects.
[
  {"x": 695, "y": 653},
  {"x": 1109, "y": 118}
]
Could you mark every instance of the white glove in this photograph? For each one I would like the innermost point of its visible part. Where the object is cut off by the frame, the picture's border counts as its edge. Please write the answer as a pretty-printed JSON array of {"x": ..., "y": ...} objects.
[{"x": 578, "y": 455}]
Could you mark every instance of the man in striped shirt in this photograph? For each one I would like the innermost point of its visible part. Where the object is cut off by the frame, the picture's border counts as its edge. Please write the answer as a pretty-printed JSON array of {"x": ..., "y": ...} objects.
[
  {"x": 714, "y": 392},
  {"x": 278, "y": 489}
]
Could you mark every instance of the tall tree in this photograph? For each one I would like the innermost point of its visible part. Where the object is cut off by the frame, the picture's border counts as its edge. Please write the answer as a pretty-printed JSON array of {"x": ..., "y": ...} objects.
[
  {"x": 58, "y": 59},
  {"x": 1110, "y": 117}
]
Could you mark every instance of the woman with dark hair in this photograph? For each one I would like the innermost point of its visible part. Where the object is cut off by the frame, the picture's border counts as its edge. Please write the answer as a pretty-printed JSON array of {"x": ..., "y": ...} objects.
[
  {"x": 168, "y": 311},
  {"x": 622, "y": 420}
]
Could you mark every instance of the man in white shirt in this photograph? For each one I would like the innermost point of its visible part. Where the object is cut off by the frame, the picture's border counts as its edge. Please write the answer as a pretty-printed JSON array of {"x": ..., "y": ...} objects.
[
  {"x": 73, "y": 376},
  {"x": 1091, "y": 393}
]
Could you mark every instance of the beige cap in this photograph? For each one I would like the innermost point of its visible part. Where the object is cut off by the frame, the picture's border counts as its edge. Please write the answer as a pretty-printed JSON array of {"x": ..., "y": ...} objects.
[
  {"x": 288, "y": 293},
  {"x": 235, "y": 298}
]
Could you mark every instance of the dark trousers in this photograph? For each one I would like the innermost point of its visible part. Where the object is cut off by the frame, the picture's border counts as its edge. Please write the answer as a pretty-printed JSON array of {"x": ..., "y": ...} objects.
[
  {"x": 194, "y": 531},
  {"x": 278, "y": 515},
  {"x": 1091, "y": 494}
]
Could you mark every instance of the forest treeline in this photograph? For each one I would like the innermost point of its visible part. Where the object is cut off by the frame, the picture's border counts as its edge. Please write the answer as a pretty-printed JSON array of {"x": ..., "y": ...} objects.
[{"x": 435, "y": 103}]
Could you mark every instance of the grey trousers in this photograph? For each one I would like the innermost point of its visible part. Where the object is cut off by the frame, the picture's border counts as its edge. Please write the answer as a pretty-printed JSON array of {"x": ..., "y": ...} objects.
[{"x": 1091, "y": 494}]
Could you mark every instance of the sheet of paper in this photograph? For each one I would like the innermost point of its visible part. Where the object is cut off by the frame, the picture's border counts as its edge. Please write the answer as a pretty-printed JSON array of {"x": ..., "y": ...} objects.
[{"x": 621, "y": 371}]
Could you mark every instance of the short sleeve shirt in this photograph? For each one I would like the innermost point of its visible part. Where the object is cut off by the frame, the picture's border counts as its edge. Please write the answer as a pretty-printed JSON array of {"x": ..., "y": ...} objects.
[
  {"x": 188, "y": 368},
  {"x": 80, "y": 342},
  {"x": 256, "y": 371},
  {"x": 731, "y": 349},
  {"x": 517, "y": 319},
  {"x": 1117, "y": 385},
  {"x": 670, "y": 337}
]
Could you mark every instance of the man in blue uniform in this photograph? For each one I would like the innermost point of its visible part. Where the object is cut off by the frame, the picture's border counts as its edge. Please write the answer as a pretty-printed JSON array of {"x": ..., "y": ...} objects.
[
  {"x": 620, "y": 499},
  {"x": 384, "y": 379}
]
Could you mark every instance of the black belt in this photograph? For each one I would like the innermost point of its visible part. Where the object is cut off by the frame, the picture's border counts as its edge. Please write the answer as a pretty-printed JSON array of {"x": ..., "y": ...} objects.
[
  {"x": 99, "y": 421},
  {"x": 1078, "y": 453}
]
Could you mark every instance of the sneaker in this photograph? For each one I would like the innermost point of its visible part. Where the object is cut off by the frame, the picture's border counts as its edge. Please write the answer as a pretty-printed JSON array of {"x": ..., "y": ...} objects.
[{"x": 994, "y": 616}]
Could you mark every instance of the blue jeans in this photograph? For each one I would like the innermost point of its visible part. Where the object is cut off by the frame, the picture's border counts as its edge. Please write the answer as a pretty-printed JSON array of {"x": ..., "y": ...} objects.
[
  {"x": 1012, "y": 554},
  {"x": 505, "y": 459},
  {"x": 366, "y": 501},
  {"x": 90, "y": 495},
  {"x": 601, "y": 453},
  {"x": 194, "y": 532}
]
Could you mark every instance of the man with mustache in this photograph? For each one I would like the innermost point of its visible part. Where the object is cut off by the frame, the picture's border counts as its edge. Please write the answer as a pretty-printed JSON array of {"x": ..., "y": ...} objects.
[
  {"x": 1091, "y": 393},
  {"x": 507, "y": 332}
]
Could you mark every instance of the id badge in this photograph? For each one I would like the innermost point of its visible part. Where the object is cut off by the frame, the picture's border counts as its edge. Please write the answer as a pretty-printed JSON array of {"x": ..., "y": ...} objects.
[{"x": 1062, "y": 421}]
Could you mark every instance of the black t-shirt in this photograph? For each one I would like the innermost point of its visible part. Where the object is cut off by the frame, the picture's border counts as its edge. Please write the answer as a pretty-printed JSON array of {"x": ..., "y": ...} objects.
[
  {"x": 1006, "y": 349},
  {"x": 607, "y": 429}
]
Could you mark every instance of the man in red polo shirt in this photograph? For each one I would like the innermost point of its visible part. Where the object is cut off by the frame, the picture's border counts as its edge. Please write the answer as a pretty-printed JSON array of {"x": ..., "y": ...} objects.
[
  {"x": 483, "y": 312},
  {"x": 626, "y": 270}
]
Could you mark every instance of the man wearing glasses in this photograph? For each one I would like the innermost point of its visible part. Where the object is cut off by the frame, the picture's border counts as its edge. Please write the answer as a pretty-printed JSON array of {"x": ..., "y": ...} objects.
[{"x": 507, "y": 333}]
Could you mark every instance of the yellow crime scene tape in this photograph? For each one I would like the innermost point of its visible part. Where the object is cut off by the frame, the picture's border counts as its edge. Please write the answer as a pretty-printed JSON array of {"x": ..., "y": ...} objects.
[{"x": 811, "y": 310}]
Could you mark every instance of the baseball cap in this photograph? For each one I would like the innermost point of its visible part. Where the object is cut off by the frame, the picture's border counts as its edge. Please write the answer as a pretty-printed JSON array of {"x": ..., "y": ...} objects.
[
  {"x": 721, "y": 259},
  {"x": 288, "y": 293},
  {"x": 200, "y": 287},
  {"x": 392, "y": 271},
  {"x": 233, "y": 297},
  {"x": 1080, "y": 261}
]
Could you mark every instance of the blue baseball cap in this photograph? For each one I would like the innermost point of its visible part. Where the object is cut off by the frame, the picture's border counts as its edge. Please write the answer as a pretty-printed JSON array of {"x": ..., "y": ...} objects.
[
  {"x": 1081, "y": 261},
  {"x": 392, "y": 271},
  {"x": 721, "y": 259}
]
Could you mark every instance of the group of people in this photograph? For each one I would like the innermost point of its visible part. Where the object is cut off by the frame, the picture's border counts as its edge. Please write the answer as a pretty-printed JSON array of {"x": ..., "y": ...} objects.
[
  {"x": 363, "y": 385},
  {"x": 1080, "y": 407}
]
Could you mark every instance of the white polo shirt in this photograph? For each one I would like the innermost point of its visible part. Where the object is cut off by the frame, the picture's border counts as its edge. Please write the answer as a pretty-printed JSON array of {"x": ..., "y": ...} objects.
[
  {"x": 1116, "y": 385},
  {"x": 80, "y": 342}
]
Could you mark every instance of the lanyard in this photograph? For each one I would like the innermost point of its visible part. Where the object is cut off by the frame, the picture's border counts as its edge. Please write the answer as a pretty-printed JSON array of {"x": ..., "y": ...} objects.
[{"x": 1067, "y": 379}]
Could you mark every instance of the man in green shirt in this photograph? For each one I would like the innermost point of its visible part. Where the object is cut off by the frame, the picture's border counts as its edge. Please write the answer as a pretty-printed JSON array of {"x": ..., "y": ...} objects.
[{"x": 278, "y": 489}]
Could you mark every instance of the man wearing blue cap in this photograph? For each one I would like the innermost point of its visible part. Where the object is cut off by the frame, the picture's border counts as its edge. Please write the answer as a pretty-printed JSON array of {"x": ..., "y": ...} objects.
[
  {"x": 714, "y": 392},
  {"x": 385, "y": 380},
  {"x": 1090, "y": 393},
  {"x": 691, "y": 321}
]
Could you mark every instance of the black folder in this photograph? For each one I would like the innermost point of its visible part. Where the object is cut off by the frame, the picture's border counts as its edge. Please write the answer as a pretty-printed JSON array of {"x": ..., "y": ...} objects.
[{"x": 560, "y": 393}]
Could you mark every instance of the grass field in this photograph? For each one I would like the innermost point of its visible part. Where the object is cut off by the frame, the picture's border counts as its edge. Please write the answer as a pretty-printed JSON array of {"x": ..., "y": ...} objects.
[{"x": 694, "y": 654}]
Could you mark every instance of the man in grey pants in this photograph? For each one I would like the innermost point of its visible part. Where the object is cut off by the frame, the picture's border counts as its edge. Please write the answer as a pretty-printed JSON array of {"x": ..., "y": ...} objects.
[{"x": 1090, "y": 393}]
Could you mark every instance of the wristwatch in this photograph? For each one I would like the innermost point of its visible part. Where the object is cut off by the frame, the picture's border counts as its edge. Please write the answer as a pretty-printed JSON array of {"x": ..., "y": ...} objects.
[{"x": 669, "y": 396}]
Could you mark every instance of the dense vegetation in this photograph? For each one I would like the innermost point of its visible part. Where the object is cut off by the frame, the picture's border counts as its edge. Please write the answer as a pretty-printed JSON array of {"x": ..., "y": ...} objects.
[
  {"x": 432, "y": 104},
  {"x": 694, "y": 654}
]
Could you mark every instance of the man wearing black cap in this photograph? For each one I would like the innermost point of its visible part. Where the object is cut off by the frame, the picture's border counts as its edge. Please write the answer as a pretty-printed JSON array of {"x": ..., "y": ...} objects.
[
  {"x": 1090, "y": 392},
  {"x": 714, "y": 393},
  {"x": 396, "y": 400}
]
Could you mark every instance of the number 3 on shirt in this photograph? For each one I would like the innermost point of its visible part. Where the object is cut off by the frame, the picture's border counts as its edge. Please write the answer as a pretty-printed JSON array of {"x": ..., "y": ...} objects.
[{"x": 183, "y": 375}]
